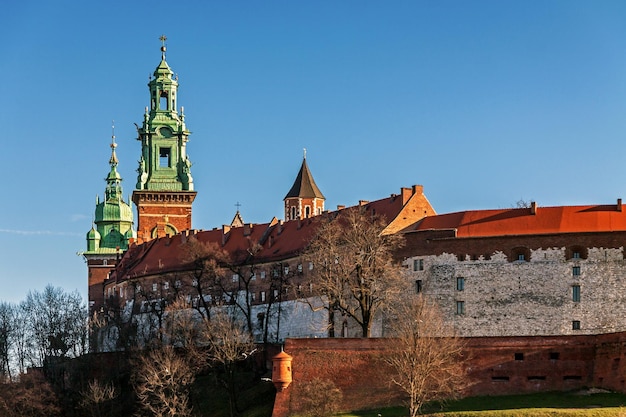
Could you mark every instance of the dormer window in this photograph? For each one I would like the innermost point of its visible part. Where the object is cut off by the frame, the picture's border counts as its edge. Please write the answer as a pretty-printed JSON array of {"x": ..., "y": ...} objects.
[{"x": 520, "y": 254}]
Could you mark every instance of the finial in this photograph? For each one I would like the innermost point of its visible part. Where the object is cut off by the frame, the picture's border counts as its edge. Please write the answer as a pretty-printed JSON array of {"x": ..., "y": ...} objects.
[
  {"x": 238, "y": 205},
  {"x": 113, "y": 160},
  {"x": 163, "y": 38},
  {"x": 304, "y": 152}
]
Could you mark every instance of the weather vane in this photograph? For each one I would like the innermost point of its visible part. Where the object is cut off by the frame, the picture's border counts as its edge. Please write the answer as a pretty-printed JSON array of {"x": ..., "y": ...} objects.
[{"x": 238, "y": 205}]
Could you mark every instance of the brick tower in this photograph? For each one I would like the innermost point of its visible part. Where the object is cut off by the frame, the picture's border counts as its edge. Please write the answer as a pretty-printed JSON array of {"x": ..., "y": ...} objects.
[
  {"x": 164, "y": 192},
  {"x": 304, "y": 199}
]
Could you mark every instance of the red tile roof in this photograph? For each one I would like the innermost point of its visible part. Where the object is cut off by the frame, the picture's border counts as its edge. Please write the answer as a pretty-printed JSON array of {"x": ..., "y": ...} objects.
[
  {"x": 562, "y": 219},
  {"x": 279, "y": 240}
]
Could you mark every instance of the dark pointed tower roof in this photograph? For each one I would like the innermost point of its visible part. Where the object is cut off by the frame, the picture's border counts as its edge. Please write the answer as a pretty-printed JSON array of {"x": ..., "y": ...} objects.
[{"x": 304, "y": 186}]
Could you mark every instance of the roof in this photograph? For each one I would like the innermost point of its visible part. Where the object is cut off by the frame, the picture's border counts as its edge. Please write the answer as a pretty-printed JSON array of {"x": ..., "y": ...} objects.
[
  {"x": 279, "y": 240},
  {"x": 304, "y": 186},
  {"x": 529, "y": 221}
]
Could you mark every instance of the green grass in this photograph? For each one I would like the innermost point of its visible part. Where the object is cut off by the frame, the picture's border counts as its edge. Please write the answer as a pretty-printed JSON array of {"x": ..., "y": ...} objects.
[{"x": 548, "y": 404}]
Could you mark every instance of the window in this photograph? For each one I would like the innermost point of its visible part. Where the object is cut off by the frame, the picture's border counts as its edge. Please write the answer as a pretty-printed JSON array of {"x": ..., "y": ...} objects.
[
  {"x": 554, "y": 356},
  {"x": 286, "y": 269},
  {"x": 252, "y": 297},
  {"x": 164, "y": 157},
  {"x": 299, "y": 268},
  {"x": 418, "y": 286},
  {"x": 275, "y": 293},
  {"x": 235, "y": 277},
  {"x": 460, "y": 284},
  {"x": 521, "y": 257},
  {"x": 307, "y": 211},
  {"x": 576, "y": 325},
  {"x": 576, "y": 293},
  {"x": 262, "y": 296},
  {"x": 166, "y": 285},
  {"x": 163, "y": 101},
  {"x": 418, "y": 265},
  {"x": 310, "y": 266},
  {"x": 576, "y": 271},
  {"x": 253, "y": 277},
  {"x": 154, "y": 287},
  {"x": 460, "y": 308},
  {"x": 262, "y": 274},
  {"x": 576, "y": 255},
  {"x": 293, "y": 213},
  {"x": 519, "y": 356}
]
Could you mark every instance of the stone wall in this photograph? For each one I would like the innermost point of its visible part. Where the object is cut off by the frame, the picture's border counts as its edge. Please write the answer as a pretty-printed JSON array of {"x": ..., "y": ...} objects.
[{"x": 484, "y": 290}]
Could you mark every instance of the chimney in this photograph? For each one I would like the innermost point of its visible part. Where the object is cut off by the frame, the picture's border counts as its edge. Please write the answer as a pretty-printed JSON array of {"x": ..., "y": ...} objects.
[
  {"x": 533, "y": 207},
  {"x": 225, "y": 233},
  {"x": 619, "y": 204},
  {"x": 340, "y": 207},
  {"x": 406, "y": 193},
  {"x": 363, "y": 202},
  {"x": 418, "y": 189}
]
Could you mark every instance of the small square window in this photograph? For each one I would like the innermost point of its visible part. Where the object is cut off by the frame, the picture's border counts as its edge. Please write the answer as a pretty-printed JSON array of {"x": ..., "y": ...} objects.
[
  {"x": 576, "y": 325},
  {"x": 521, "y": 257},
  {"x": 519, "y": 356},
  {"x": 576, "y": 255},
  {"x": 418, "y": 265},
  {"x": 460, "y": 284},
  {"x": 576, "y": 271},
  {"x": 460, "y": 308},
  {"x": 235, "y": 277}
]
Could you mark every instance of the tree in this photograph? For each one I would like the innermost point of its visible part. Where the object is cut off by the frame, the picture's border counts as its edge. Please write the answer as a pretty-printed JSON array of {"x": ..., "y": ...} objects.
[
  {"x": 55, "y": 324},
  {"x": 31, "y": 396},
  {"x": 8, "y": 328},
  {"x": 228, "y": 345},
  {"x": 161, "y": 383},
  {"x": 320, "y": 398},
  {"x": 96, "y": 397},
  {"x": 427, "y": 356},
  {"x": 353, "y": 266}
]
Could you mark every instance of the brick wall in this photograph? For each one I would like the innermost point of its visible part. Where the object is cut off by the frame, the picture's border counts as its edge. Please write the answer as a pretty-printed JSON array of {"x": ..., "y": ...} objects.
[{"x": 496, "y": 366}]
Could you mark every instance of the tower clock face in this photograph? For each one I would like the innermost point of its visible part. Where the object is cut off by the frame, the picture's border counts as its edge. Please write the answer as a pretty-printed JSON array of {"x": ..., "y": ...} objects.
[{"x": 166, "y": 132}]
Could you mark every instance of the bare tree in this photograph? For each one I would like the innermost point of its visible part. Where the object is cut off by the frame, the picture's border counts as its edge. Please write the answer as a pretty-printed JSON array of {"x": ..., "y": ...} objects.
[
  {"x": 320, "y": 398},
  {"x": 228, "y": 345},
  {"x": 96, "y": 397},
  {"x": 31, "y": 396},
  {"x": 354, "y": 268},
  {"x": 56, "y": 324},
  {"x": 427, "y": 356},
  {"x": 161, "y": 383},
  {"x": 7, "y": 335}
]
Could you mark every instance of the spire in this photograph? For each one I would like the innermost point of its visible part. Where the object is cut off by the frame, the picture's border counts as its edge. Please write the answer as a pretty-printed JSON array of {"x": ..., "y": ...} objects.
[
  {"x": 114, "y": 180},
  {"x": 304, "y": 186},
  {"x": 304, "y": 199}
]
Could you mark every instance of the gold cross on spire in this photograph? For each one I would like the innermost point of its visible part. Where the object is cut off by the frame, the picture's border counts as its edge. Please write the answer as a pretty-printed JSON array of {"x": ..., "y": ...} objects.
[{"x": 163, "y": 38}]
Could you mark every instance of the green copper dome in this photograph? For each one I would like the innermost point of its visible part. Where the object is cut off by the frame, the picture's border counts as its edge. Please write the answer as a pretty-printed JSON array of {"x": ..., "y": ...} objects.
[{"x": 113, "y": 217}]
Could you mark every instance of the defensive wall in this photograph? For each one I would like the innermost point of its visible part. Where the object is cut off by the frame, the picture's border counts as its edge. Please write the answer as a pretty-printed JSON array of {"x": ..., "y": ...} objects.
[{"x": 496, "y": 366}]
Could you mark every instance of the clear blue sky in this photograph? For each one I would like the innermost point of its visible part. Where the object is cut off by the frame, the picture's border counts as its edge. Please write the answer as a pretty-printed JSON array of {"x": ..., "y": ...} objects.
[{"x": 483, "y": 102}]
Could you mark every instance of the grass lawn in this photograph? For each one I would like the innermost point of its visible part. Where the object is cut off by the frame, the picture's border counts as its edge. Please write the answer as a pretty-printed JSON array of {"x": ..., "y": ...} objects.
[{"x": 548, "y": 404}]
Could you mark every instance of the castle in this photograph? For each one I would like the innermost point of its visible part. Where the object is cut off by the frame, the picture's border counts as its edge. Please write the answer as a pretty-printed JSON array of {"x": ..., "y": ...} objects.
[{"x": 508, "y": 272}]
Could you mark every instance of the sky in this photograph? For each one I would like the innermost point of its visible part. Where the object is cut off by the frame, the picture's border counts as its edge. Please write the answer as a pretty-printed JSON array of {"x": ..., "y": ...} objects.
[{"x": 484, "y": 103}]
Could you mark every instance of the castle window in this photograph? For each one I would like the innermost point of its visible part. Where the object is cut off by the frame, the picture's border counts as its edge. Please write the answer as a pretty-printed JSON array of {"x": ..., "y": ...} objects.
[
  {"x": 418, "y": 286},
  {"x": 293, "y": 213},
  {"x": 235, "y": 277},
  {"x": 262, "y": 296},
  {"x": 460, "y": 308},
  {"x": 262, "y": 274},
  {"x": 307, "y": 211},
  {"x": 576, "y": 325},
  {"x": 299, "y": 268},
  {"x": 164, "y": 157},
  {"x": 310, "y": 266},
  {"x": 576, "y": 255},
  {"x": 166, "y": 285},
  {"x": 286, "y": 269},
  {"x": 275, "y": 294},
  {"x": 154, "y": 287},
  {"x": 576, "y": 252},
  {"x": 418, "y": 265},
  {"x": 519, "y": 356},
  {"x": 460, "y": 284},
  {"x": 253, "y": 277},
  {"x": 576, "y": 271},
  {"x": 576, "y": 293},
  {"x": 520, "y": 254}
]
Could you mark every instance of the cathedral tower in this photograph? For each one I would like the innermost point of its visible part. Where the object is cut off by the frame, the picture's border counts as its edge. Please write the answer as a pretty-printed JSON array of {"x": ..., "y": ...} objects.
[
  {"x": 164, "y": 192},
  {"x": 110, "y": 234},
  {"x": 304, "y": 199}
]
